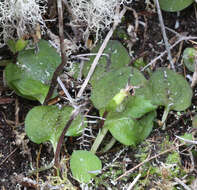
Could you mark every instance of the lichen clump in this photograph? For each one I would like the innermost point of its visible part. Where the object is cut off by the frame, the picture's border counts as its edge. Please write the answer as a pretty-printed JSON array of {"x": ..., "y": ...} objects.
[
  {"x": 98, "y": 15},
  {"x": 20, "y": 17}
]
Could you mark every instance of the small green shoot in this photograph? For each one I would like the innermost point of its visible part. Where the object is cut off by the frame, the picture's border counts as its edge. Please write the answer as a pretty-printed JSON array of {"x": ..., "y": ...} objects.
[
  {"x": 84, "y": 165},
  {"x": 189, "y": 55},
  {"x": 17, "y": 46},
  {"x": 174, "y": 5},
  {"x": 45, "y": 123}
]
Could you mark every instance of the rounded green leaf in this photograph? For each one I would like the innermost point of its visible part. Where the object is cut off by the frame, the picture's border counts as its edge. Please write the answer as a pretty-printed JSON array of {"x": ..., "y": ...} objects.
[
  {"x": 174, "y": 5},
  {"x": 39, "y": 64},
  {"x": 46, "y": 123},
  {"x": 129, "y": 131},
  {"x": 84, "y": 165},
  {"x": 189, "y": 58},
  {"x": 170, "y": 89},
  {"x": 34, "y": 68}
]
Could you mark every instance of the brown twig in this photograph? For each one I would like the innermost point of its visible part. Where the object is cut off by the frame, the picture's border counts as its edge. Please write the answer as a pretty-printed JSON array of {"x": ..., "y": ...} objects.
[
  {"x": 63, "y": 56},
  {"x": 6, "y": 100},
  {"x": 16, "y": 112},
  {"x": 59, "y": 145},
  {"x": 37, "y": 163}
]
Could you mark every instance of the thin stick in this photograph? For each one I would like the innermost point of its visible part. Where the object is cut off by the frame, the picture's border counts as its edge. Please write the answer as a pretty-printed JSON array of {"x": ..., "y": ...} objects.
[
  {"x": 164, "y": 35},
  {"x": 183, "y": 38},
  {"x": 8, "y": 156},
  {"x": 63, "y": 56},
  {"x": 186, "y": 140},
  {"x": 17, "y": 108},
  {"x": 72, "y": 102},
  {"x": 134, "y": 182},
  {"x": 147, "y": 160},
  {"x": 181, "y": 183},
  {"x": 104, "y": 44},
  {"x": 37, "y": 163}
]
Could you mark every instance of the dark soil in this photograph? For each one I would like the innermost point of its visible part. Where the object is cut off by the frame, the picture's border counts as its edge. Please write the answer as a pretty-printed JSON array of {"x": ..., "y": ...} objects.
[{"x": 18, "y": 155}]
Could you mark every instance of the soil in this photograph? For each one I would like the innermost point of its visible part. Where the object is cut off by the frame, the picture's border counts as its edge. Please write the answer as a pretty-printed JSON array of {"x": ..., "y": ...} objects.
[{"x": 18, "y": 155}]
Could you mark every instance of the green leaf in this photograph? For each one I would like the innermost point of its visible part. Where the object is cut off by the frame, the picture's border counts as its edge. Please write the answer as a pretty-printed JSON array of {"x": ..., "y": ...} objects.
[
  {"x": 84, "y": 165},
  {"x": 129, "y": 131},
  {"x": 174, "y": 5},
  {"x": 20, "y": 44},
  {"x": 189, "y": 58},
  {"x": 30, "y": 89},
  {"x": 33, "y": 69},
  {"x": 137, "y": 106},
  {"x": 46, "y": 123},
  {"x": 115, "y": 57},
  {"x": 106, "y": 88},
  {"x": 145, "y": 125},
  {"x": 170, "y": 89}
]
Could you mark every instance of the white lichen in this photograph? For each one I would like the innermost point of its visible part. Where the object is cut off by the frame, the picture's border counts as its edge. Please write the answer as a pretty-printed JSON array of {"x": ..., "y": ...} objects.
[
  {"x": 20, "y": 17},
  {"x": 98, "y": 15}
]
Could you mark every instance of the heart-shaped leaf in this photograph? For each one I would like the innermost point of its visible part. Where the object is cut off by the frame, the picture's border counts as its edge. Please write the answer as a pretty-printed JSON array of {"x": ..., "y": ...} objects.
[
  {"x": 129, "y": 131},
  {"x": 33, "y": 69},
  {"x": 189, "y": 55},
  {"x": 174, "y": 5},
  {"x": 171, "y": 90},
  {"x": 84, "y": 165},
  {"x": 107, "y": 87},
  {"x": 46, "y": 123}
]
